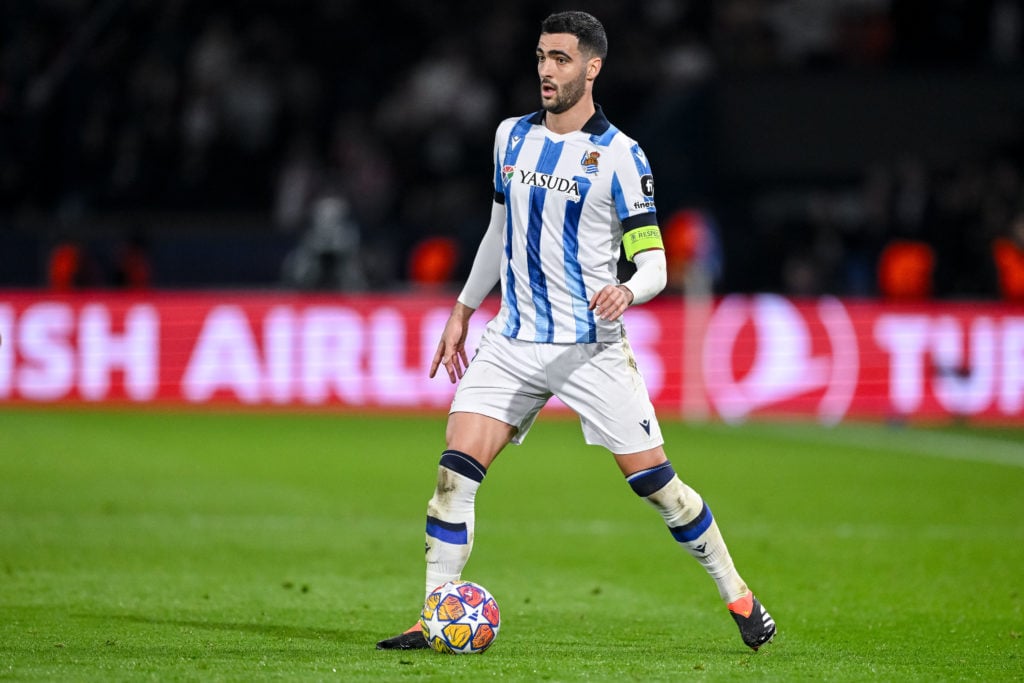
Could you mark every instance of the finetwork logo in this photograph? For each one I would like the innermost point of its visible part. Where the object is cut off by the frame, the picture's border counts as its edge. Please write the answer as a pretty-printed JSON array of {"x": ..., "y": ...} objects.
[{"x": 647, "y": 185}]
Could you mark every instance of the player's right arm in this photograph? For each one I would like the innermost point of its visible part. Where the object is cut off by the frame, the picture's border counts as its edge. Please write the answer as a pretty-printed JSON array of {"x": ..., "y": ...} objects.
[
  {"x": 485, "y": 273},
  {"x": 486, "y": 270}
]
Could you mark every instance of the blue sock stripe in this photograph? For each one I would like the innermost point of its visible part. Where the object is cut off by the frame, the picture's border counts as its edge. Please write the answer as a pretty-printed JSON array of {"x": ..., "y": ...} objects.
[
  {"x": 463, "y": 464},
  {"x": 646, "y": 482},
  {"x": 449, "y": 532},
  {"x": 693, "y": 529}
]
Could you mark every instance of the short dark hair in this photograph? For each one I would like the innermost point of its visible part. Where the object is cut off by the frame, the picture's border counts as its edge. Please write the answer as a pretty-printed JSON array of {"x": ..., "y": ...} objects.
[{"x": 587, "y": 29}]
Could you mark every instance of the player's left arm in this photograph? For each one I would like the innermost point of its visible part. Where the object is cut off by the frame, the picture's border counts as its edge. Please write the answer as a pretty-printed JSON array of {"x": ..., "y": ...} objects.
[
  {"x": 632, "y": 189},
  {"x": 650, "y": 278}
]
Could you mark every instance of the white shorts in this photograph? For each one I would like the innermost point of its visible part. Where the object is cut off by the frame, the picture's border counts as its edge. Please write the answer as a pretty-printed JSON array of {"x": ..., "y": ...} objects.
[{"x": 511, "y": 380}]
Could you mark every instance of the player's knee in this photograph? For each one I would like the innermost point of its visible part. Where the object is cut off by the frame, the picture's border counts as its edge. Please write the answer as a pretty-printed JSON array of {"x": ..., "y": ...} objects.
[{"x": 480, "y": 435}]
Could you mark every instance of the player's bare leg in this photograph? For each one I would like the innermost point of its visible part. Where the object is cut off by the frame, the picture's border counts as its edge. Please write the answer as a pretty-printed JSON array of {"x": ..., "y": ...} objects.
[
  {"x": 691, "y": 523},
  {"x": 474, "y": 441},
  {"x": 483, "y": 436}
]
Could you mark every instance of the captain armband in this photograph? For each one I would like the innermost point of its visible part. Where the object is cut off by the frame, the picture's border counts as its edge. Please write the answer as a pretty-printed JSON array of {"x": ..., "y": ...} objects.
[{"x": 641, "y": 239}]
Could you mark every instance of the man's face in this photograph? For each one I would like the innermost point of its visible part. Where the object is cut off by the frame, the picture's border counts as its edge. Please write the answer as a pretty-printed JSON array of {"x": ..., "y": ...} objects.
[{"x": 563, "y": 71}]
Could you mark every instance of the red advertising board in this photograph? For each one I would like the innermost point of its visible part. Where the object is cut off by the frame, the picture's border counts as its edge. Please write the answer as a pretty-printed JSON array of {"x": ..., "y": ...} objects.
[{"x": 732, "y": 359}]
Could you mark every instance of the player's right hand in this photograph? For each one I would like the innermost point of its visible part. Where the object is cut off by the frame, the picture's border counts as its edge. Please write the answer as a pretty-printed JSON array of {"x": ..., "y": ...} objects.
[
  {"x": 451, "y": 350},
  {"x": 453, "y": 358}
]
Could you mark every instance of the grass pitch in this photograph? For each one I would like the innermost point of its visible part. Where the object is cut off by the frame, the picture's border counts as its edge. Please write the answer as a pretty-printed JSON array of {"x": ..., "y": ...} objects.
[{"x": 255, "y": 546}]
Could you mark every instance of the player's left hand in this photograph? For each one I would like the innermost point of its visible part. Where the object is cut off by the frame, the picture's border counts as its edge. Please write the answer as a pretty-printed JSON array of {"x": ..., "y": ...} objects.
[{"x": 611, "y": 301}]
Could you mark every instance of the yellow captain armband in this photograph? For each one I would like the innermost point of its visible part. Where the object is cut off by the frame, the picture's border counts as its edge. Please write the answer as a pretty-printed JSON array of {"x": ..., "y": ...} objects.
[{"x": 641, "y": 239}]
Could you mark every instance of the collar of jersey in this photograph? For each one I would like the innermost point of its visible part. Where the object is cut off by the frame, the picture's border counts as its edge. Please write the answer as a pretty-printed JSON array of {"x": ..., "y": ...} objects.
[{"x": 596, "y": 125}]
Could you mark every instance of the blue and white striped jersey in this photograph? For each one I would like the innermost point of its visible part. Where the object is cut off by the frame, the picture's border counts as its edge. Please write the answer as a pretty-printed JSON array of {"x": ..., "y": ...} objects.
[{"x": 569, "y": 199}]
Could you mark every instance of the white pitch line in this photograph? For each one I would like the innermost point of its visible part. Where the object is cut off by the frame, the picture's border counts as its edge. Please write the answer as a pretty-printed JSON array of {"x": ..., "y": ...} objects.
[{"x": 915, "y": 441}]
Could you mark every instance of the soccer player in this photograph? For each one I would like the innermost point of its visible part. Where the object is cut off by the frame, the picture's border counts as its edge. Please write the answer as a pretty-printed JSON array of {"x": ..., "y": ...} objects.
[{"x": 570, "y": 190}]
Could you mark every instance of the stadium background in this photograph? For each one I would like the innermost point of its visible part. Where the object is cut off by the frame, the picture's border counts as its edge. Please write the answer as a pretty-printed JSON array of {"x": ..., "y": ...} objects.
[
  {"x": 215, "y": 450},
  {"x": 342, "y": 150}
]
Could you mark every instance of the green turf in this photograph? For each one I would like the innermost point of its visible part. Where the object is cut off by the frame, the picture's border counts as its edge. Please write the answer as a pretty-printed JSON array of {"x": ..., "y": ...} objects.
[{"x": 201, "y": 546}]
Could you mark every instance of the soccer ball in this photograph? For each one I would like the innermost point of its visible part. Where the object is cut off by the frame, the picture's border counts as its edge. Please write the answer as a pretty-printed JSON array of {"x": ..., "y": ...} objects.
[{"x": 460, "y": 617}]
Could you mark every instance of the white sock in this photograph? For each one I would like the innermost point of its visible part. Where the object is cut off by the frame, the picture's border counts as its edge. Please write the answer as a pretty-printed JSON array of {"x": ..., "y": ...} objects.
[
  {"x": 692, "y": 525},
  {"x": 451, "y": 518}
]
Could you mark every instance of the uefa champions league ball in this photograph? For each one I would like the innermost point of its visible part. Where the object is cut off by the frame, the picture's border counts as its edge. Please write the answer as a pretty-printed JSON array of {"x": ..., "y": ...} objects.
[{"x": 460, "y": 617}]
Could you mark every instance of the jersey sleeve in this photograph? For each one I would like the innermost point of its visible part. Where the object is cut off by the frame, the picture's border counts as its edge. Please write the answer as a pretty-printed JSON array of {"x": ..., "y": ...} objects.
[
  {"x": 500, "y": 141},
  {"x": 633, "y": 192}
]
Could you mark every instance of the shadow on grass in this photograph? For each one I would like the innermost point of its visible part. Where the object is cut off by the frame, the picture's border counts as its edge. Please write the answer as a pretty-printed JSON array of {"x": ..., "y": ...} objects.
[{"x": 271, "y": 630}]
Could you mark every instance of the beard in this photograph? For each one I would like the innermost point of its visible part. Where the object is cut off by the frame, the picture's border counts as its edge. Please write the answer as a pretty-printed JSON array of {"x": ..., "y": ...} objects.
[{"x": 566, "y": 95}]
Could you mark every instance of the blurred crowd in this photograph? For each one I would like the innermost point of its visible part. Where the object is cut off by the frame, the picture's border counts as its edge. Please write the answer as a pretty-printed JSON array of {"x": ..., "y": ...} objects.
[
  {"x": 903, "y": 231},
  {"x": 363, "y": 132}
]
